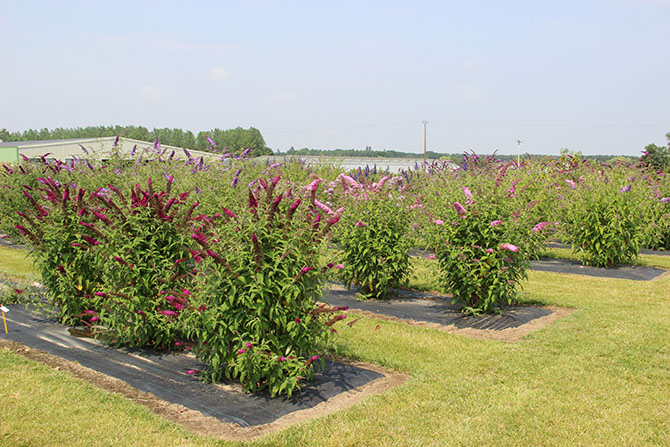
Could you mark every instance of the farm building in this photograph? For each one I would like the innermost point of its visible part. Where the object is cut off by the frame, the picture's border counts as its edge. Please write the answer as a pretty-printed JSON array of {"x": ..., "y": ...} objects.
[{"x": 70, "y": 149}]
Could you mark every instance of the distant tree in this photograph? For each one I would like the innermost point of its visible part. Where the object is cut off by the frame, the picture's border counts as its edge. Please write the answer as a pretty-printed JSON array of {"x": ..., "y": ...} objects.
[{"x": 657, "y": 157}]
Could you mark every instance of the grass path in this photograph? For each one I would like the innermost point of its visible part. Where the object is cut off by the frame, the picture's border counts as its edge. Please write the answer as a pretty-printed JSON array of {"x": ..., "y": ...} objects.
[{"x": 600, "y": 376}]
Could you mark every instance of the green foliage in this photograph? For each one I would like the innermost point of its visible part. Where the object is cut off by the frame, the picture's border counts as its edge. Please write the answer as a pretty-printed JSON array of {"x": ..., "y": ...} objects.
[
  {"x": 482, "y": 249},
  {"x": 257, "y": 284},
  {"x": 603, "y": 220},
  {"x": 373, "y": 236}
]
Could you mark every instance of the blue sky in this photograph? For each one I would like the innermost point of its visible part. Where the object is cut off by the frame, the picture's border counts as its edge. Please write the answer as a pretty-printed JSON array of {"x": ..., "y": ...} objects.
[{"x": 593, "y": 76}]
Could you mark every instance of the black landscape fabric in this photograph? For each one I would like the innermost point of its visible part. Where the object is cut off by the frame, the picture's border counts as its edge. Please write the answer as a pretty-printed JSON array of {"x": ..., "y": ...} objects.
[
  {"x": 633, "y": 272},
  {"x": 164, "y": 374},
  {"x": 417, "y": 306}
]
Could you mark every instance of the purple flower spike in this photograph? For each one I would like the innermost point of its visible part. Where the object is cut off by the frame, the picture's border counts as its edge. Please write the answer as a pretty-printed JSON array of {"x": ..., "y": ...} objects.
[
  {"x": 665, "y": 199},
  {"x": 625, "y": 188}
]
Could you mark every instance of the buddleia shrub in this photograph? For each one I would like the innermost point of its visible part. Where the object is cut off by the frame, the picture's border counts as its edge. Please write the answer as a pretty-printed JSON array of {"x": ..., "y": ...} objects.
[
  {"x": 482, "y": 247},
  {"x": 258, "y": 280},
  {"x": 603, "y": 221},
  {"x": 374, "y": 237}
]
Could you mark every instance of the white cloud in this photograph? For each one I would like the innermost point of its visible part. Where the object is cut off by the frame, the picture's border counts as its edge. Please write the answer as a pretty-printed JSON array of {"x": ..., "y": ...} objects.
[
  {"x": 284, "y": 97},
  {"x": 151, "y": 93},
  {"x": 218, "y": 73},
  {"x": 470, "y": 93},
  {"x": 469, "y": 64}
]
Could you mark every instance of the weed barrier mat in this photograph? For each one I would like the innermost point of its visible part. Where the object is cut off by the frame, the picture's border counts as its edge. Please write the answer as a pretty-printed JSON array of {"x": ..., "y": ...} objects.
[
  {"x": 164, "y": 376},
  {"x": 643, "y": 251},
  {"x": 622, "y": 271},
  {"x": 631, "y": 272},
  {"x": 426, "y": 309}
]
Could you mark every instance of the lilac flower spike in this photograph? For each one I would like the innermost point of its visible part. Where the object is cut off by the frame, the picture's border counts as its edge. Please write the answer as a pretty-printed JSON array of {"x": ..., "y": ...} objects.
[
  {"x": 665, "y": 199},
  {"x": 625, "y": 188},
  {"x": 571, "y": 183}
]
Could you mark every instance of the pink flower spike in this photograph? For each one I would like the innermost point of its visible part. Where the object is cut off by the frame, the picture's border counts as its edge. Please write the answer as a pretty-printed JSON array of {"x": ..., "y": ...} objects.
[
  {"x": 339, "y": 266},
  {"x": 323, "y": 207},
  {"x": 431, "y": 256},
  {"x": 509, "y": 247},
  {"x": 539, "y": 227},
  {"x": 314, "y": 358},
  {"x": 248, "y": 345},
  {"x": 191, "y": 371},
  {"x": 282, "y": 359},
  {"x": 169, "y": 313},
  {"x": 297, "y": 321},
  {"x": 459, "y": 208},
  {"x": 315, "y": 184},
  {"x": 360, "y": 224},
  {"x": 495, "y": 223},
  {"x": 489, "y": 250},
  {"x": 439, "y": 222},
  {"x": 241, "y": 351},
  {"x": 94, "y": 319}
]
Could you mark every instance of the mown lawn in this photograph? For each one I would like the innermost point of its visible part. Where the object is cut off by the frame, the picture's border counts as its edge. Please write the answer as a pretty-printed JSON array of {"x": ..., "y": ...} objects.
[{"x": 600, "y": 376}]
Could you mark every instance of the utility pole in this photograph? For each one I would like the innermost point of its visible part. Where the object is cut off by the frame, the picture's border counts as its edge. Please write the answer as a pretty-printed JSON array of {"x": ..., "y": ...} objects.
[
  {"x": 518, "y": 151},
  {"x": 425, "y": 123}
]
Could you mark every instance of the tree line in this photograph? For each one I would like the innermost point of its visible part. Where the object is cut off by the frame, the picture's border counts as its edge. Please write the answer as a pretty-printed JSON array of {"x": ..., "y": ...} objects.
[
  {"x": 432, "y": 155},
  {"x": 231, "y": 140}
]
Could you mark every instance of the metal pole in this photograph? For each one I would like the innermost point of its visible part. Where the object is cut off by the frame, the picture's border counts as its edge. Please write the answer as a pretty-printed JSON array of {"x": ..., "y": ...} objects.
[
  {"x": 518, "y": 151},
  {"x": 425, "y": 123}
]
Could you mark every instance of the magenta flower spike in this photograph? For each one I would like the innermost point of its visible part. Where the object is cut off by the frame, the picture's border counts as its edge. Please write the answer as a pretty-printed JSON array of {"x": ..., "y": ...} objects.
[
  {"x": 253, "y": 203},
  {"x": 295, "y": 205},
  {"x": 90, "y": 240},
  {"x": 169, "y": 313},
  {"x": 229, "y": 213},
  {"x": 360, "y": 224},
  {"x": 277, "y": 199}
]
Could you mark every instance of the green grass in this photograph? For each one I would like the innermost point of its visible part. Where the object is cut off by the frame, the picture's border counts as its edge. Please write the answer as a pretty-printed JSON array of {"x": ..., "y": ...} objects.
[
  {"x": 644, "y": 260},
  {"x": 15, "y": 264},
  {"x": 600, "y": 376}
]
